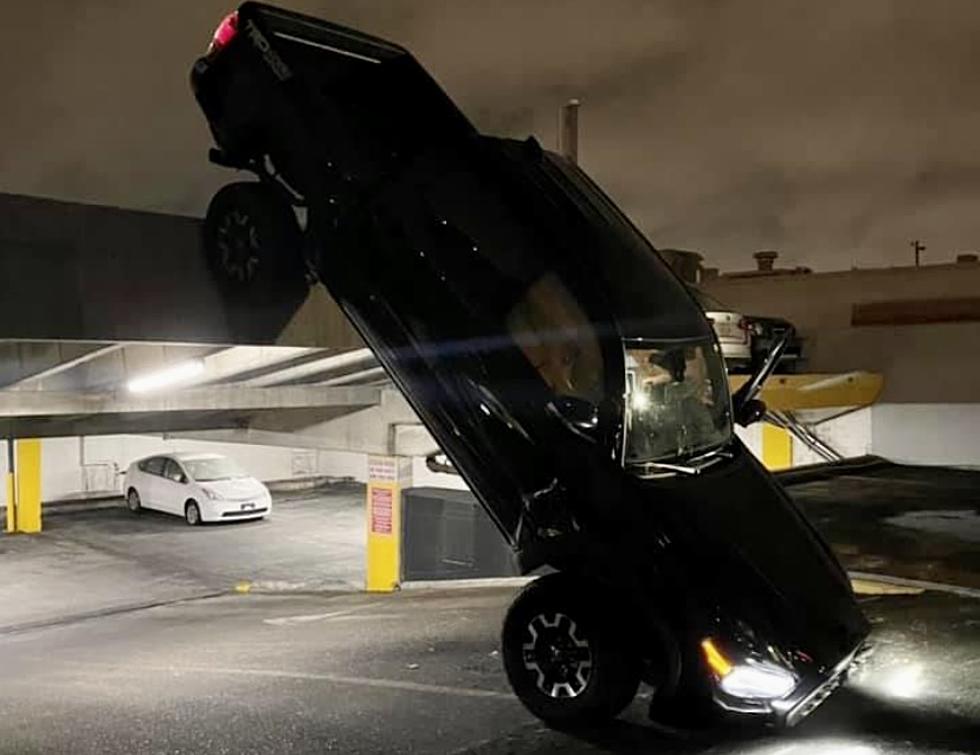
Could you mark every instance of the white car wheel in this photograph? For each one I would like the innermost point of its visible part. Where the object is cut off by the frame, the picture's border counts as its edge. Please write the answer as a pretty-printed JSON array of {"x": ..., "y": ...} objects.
[
  {"x": 192, "y": 514},
  {"x": 133, "y": 501}
]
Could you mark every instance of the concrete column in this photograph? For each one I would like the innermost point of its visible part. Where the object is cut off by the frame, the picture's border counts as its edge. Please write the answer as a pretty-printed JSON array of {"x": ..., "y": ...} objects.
[
  {"x": 777, "y": 447},
  {"x": 24, "y": 486},
  {"x": 8, "y": 479},
  {"x": 387, "y": 477}
]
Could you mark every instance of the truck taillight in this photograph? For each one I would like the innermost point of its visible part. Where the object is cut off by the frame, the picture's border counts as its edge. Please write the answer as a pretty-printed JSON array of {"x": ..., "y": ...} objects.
[{"x": 225, "y": 32}]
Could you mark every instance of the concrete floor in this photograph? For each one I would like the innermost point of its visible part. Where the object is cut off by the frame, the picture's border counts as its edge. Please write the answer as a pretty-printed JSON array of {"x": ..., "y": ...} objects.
[
  {"x": 118, "y": 634},
  {"x": 91, "y": 562},
  {"x": 420, "y": 672}
]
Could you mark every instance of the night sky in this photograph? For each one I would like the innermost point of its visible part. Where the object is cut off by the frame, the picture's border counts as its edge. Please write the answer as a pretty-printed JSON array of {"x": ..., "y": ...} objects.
[{"x": 835, "y": 132}]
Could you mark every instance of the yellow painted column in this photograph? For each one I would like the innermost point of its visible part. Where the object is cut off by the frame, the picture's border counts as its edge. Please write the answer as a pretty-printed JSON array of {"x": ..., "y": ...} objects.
[
  {"x": 777, "y": 447},
  {"x": 387, "y": 476},
  {"x": 27, "y": 485},
  {"x": 11, "y": 505}
]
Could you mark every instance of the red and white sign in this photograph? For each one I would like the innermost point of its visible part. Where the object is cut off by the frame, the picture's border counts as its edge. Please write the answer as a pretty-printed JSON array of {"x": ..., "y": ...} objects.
[{"x": 382, "y": 507}]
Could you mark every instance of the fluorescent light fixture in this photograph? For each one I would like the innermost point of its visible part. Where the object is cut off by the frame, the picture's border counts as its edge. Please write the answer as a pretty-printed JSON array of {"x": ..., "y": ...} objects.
[{"x": 166, "y": 378}]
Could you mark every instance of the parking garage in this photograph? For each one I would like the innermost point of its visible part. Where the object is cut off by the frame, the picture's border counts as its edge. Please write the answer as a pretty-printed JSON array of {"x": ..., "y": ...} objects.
[
  {"x": 345, "y": 589},
  {"x": 361, "y": 509}
]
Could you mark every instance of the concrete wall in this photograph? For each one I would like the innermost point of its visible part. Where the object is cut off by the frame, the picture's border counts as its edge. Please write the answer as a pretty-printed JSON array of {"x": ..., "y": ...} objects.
[
  {"x": 941, "y": 434},
  {"x": 928, "y": 434},
  {"x": 851, "y": 435},
  {"x": 74, "y": 466},
  {"x": 921, "y": 363},
  {"x": 931, "y": 434},
  {"x": 84, "y": 272},
  {"x": 64, "y": 475}
]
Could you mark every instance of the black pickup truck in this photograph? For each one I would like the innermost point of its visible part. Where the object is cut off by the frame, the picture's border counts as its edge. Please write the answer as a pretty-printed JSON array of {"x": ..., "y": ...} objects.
[{"x": 564, "y": 370}]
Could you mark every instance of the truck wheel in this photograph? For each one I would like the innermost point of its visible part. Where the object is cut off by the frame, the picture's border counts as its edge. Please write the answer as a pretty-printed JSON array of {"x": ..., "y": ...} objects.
[
  {"x": 564, "y": 658},
  {"x": 252, "y": 239}
]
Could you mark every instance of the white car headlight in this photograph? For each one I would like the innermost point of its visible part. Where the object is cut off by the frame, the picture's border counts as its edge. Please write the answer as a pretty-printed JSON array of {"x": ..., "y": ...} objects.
[{"x": 211, "y": 494}]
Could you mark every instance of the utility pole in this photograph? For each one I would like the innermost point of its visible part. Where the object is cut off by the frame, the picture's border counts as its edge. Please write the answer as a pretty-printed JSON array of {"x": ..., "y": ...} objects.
[
  {"x": 918, "y": 247},
  {"x": 568, "y": 130}
]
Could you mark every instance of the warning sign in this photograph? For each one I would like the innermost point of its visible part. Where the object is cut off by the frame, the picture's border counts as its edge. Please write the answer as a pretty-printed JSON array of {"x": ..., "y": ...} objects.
[
  {"x": 382, "y": 469},
  {"x": 381, "y": 510}
]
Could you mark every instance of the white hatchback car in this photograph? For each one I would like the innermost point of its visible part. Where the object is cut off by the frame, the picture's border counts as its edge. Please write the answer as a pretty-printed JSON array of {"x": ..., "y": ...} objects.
[
  {"x": 198, "y": 487},
  {"x": 732, "y": 330}
]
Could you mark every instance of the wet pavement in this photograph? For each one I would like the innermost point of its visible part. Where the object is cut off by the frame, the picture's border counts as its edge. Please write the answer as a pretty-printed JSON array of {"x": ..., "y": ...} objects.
[
  {"x": 420, "y": 672},
  {"x": 916, "y": 522}
]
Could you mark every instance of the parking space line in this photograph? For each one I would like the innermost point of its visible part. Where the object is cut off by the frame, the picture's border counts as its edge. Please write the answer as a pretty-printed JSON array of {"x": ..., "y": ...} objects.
[
  {"x": 357, "y": 681},
  {"x": 921, "y": 584},
  {"x": 306, "y": 618}
]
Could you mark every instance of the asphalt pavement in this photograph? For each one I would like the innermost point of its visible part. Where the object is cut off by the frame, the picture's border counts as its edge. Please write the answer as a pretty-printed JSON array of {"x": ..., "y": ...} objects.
[
  {"x": 915, "y": 522},
  {"x": 97, "y": 561},
  {"x": 420, "y": 672},
  {"x": 124, "y": 634}
]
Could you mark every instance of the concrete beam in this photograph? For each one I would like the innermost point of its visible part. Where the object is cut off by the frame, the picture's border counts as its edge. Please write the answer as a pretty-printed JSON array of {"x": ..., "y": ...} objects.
[
  {"x": 25, "y": 364},
  {"x": 156, "y": 423},
  {"x": 360, "y": 377},
  {"x": 216, "y": 398},
  {"x": 816, "y": 391},
  {"x": 315, "y": 370},
  {"x": 251, "y": 436},
  {"x": 241, "y": 363}
]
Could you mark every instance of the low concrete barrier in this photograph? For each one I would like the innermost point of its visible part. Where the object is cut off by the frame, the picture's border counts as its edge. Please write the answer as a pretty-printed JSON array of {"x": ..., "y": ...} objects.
[{"x": 446, "y": 534}]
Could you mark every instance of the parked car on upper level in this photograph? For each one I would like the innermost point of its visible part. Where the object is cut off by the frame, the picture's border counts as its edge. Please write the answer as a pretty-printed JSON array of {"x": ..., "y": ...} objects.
[
  {"x": 198, "y": 487},
  {"x": 732, "y": 331},
  {"x": 764, "y": 333}
]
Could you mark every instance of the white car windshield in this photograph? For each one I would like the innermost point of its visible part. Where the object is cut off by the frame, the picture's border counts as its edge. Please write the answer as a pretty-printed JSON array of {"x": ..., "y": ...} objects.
[
  {"x": 677, "y": 403},
  {"x": 213, "y": 469}
]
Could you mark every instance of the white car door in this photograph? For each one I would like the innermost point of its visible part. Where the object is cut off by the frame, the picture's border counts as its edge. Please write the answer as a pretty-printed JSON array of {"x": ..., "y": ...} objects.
[
  {"x": 148, "y": 485},
  {"x": 173, "y": 488}
]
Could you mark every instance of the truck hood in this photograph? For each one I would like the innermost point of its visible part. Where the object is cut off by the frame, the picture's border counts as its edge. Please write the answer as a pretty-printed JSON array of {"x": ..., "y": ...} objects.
[{"x": 762, "y": 562}]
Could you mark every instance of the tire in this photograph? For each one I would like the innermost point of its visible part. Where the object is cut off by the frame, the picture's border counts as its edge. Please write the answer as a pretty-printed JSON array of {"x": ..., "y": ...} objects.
[
  {"x": 252, "y": 240},
  {"x": 133, "y": 502},
  {"x": 564, "y": 657},
  {"x": 192, "y": 514}
]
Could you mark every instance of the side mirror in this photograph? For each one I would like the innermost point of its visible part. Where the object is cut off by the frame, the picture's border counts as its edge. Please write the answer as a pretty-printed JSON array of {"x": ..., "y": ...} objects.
[
  {"x": 745, "y": 397},
  {"x": 577, "y": 414},
  {"x": 437, "y": 461},
  {"x": 750, "y": 412}
]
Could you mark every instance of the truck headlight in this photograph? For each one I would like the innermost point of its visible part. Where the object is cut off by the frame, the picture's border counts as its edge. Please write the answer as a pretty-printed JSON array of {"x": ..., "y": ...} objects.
[
  {"x": 749, "y": 679},
  {"x": 758, "y": 681}
]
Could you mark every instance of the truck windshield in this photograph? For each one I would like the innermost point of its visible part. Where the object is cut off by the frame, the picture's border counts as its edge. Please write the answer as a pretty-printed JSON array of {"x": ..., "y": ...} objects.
[{"x": 677, "y": 401}]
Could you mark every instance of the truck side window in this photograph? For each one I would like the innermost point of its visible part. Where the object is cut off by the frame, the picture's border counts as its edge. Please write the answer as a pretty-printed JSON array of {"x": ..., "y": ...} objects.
[{"x": 558, "y": 339}]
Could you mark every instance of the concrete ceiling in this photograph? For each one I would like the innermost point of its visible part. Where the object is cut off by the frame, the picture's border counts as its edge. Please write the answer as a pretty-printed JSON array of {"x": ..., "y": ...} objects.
[{"x": 51, "y": 388}]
